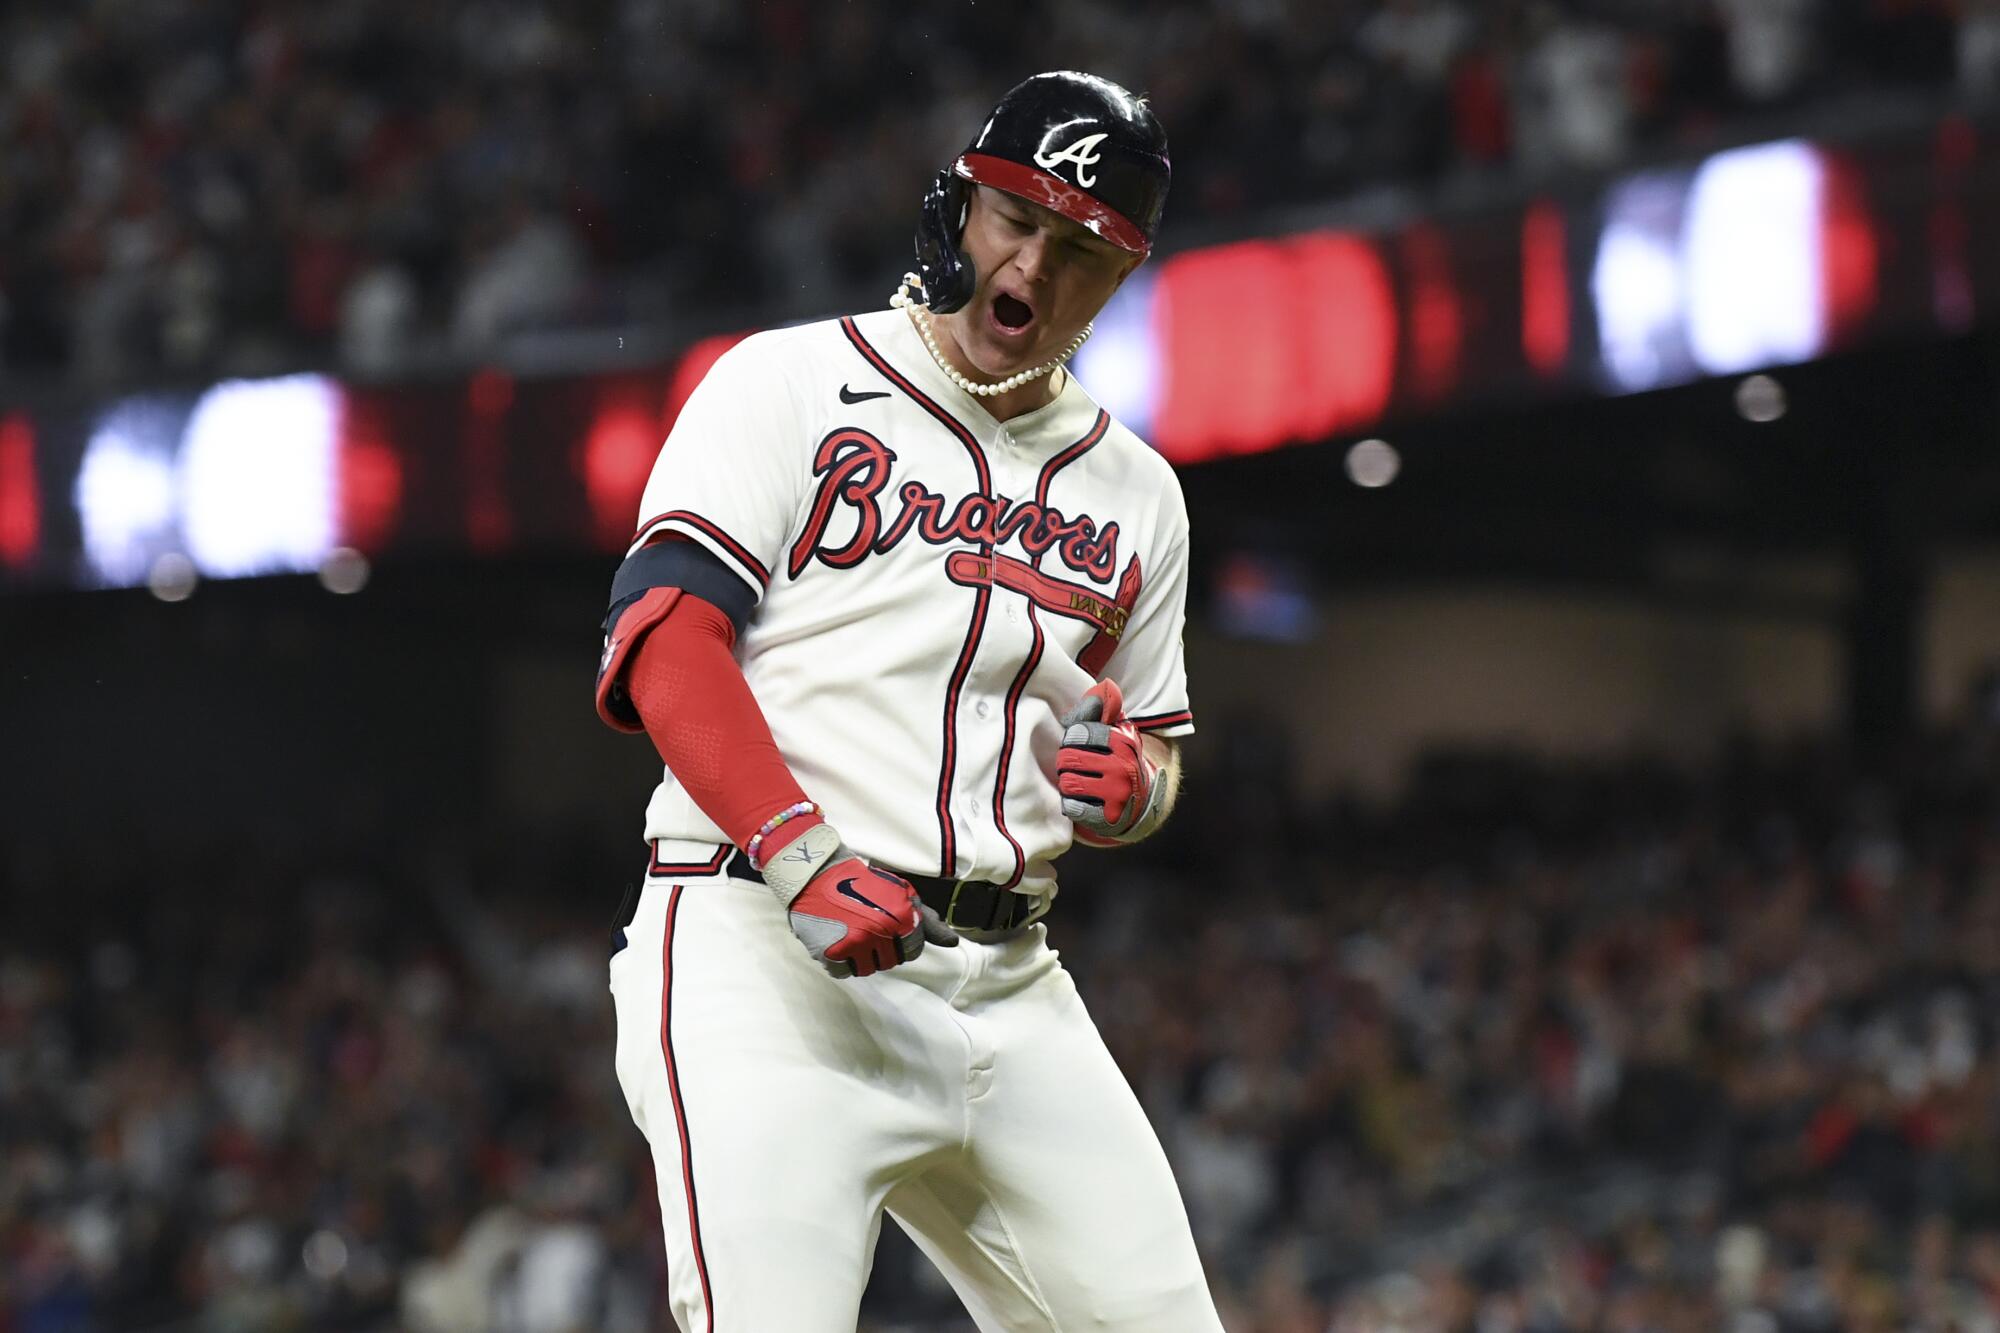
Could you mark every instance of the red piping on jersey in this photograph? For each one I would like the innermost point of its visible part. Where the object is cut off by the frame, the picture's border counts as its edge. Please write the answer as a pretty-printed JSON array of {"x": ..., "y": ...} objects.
[
  {"x": 1049, "y": 470},
  {"x": 1007, "y": 750},
  {"x": 680, "y": 1111},
  {"x": 689, "y": 870},
  {"x": 947, "y": 836},
  {"x": 948, "y": 855},
  {"x": 897, "y": 378},
  {"x": 721, "y": 538},
  {"x": 1157, "y": 721},
  {"x": 1070, "y": 455}
]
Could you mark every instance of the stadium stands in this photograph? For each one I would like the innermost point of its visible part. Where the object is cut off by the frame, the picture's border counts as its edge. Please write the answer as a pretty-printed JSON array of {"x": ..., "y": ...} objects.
[
  {"x": 203, "y": 187},
  {"x": 1540, "y": 1047}
]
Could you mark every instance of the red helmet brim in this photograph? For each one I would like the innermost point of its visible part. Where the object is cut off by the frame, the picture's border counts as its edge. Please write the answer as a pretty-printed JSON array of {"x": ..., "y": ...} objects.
[{"x": 1055, "y": 194}]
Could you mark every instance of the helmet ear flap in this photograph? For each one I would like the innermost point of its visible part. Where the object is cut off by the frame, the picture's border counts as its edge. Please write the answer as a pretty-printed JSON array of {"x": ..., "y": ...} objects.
[{"x": 942, "y": 267}]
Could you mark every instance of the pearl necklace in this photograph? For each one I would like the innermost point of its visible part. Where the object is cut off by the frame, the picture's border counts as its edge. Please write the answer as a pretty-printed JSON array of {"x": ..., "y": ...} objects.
[{"x": 920, "y": 315}]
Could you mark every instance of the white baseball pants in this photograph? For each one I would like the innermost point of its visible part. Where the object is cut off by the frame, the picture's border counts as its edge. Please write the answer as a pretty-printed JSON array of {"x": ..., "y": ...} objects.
[{"x": 968, "y": 1093}]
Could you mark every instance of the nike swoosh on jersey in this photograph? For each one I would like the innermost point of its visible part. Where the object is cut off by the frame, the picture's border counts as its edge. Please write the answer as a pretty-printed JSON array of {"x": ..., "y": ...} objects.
[{"x": 850, "y": 397}]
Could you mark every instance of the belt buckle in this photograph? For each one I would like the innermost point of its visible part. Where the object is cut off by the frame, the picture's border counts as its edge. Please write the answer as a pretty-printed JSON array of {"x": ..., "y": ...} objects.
[
  {"x": 951, "y": 905},
  {"x": 1004, "y": 902}
]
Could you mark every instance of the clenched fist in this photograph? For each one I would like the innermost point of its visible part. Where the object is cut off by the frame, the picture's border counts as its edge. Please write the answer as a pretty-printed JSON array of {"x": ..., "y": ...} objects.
[{"x": 1110, "y": 789}]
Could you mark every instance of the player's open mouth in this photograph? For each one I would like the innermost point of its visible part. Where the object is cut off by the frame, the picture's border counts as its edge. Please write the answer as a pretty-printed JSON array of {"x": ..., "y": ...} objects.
[{"x": 1011, "y": 314}]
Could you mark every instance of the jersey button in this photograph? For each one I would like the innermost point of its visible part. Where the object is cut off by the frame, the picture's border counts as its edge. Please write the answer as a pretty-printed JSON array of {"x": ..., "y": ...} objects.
[{"x": 982, "y": 708}]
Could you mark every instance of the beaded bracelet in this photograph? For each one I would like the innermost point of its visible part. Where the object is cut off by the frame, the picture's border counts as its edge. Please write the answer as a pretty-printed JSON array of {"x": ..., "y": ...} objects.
[{"x": 785, "y": 815}]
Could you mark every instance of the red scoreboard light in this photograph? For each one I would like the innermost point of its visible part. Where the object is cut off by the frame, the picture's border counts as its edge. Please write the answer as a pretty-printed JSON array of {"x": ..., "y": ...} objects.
[
  {"x": 20, "y": 501},
  {"x": 370, "y": 475},
  {"x": 1848, "y": 255},
  {"x": 1768, "y": 254},
  {"x": 616, "y": 456},
  {"x": 1343, "y": 308},
  {"x": 1544, "y": 289},
  {"x": 690, "y": 370},
  {"x": 1267, "y": 342}
]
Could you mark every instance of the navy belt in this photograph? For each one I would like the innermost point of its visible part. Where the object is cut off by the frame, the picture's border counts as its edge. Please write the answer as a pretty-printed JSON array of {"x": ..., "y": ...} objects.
[{"x": 965, "y": 904}]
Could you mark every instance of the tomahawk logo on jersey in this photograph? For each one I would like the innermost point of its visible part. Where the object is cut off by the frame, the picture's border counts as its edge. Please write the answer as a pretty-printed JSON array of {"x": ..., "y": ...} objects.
[{"x": 935, "y": 588}]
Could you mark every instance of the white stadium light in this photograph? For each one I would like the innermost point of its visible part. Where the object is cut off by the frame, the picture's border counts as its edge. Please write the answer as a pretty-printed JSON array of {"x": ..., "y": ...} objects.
[
  {"x": 172, "y": 577},
  {"x": 125, "y": 492},
  {"x": 258, "y": 482},
  {"x": 1373, "y": 463},
  {"x": 1636, "y": 284},
  {"x": 1760, "y": 398},
  {"x": 1120, "y": 364},
  {"x": 1751, "y": 254},
  {"x": 346, "y": 571}
]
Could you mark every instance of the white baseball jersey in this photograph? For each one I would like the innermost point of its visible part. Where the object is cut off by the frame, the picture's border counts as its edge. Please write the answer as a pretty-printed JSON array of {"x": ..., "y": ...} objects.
[{"x": 936, "y": 588}]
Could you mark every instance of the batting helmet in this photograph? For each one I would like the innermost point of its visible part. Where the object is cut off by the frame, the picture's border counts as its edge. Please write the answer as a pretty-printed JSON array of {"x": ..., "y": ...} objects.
[{"x": 1074, "y": 143}]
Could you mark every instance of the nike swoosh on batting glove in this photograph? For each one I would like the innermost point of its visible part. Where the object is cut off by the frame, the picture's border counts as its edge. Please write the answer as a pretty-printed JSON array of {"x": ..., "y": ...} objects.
[
  {"x": 1109, "y": 787},
  {"x": 853, "y": 919}
]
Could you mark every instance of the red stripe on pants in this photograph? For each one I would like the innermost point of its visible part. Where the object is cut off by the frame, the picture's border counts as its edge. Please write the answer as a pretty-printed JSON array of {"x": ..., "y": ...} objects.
[{"x": 680, "y": 1113}]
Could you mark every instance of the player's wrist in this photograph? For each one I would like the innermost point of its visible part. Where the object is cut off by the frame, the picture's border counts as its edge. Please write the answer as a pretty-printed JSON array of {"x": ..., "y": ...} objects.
[
  {"x": 783, "y": 828},
  {"x": 1153, "y": 812},
  {"x": 1143, "y": 810},
  {"x": 788, "y": 869}
]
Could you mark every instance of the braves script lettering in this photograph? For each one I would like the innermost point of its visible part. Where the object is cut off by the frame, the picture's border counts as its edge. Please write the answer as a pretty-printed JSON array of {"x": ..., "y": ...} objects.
[{"x": 853, "y": 468}]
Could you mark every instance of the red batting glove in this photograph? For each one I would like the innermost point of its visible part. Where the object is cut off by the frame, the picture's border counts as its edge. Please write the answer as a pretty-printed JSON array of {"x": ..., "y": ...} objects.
[
  {"x": 1108, "y": 784},
  {"x": 853, "y": 919}
]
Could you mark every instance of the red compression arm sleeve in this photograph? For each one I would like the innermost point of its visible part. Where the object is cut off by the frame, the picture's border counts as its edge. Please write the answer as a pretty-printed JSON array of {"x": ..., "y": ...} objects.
[{"x": 706, "y": 724}]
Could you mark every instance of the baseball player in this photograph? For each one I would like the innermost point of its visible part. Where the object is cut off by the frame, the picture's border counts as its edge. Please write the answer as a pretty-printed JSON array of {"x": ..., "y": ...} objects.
[{"x": 903, "y": 617}]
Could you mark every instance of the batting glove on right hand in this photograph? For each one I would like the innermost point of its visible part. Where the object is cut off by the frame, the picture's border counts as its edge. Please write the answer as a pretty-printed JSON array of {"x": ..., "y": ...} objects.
[
  {"x": 1110, "y": 790},
  {"x": 853, "y": 919}
]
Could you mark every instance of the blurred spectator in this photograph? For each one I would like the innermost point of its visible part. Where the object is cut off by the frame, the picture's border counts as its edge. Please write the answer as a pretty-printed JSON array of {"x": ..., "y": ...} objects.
[
  {"x": 1417, "y": 38},
  {"x": 1572, "y": 100},
  {"x": 1979, "y": 49},
  {"x": 378, "y": 318},
  {"x": 1768, "y": 47},
  {"x": 527, "y": 270},
  {"x": 1543, "y": 1048},
  {"x": 214, "y": 186}
]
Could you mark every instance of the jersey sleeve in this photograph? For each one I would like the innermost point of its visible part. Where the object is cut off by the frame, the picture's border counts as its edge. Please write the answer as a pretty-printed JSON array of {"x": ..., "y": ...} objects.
[
  {"x": 733, "y": 469},
  {"x": 1150, "y": 665}
]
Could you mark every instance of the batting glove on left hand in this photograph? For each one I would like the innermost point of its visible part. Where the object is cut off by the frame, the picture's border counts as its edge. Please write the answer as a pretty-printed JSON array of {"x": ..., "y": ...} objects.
[
  {"x": 853, "y": 919},
  {"x": 1109, "y": 787}
]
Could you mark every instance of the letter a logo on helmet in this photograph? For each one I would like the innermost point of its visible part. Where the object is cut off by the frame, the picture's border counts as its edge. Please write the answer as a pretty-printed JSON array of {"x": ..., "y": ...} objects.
[{"x": 1082, "y": 155}]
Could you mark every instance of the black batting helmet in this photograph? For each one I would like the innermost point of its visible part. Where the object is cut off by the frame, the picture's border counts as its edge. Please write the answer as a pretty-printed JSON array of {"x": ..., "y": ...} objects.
[{"x": 1074, "y": 143}]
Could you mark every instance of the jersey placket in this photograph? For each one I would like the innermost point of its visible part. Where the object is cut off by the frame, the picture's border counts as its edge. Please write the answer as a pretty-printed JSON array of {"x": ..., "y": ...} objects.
[{"x": 988, "y": 721}]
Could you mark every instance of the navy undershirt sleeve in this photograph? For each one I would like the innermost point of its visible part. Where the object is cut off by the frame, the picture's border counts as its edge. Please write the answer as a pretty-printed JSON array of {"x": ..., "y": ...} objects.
[{"x": 686, "y": 565}]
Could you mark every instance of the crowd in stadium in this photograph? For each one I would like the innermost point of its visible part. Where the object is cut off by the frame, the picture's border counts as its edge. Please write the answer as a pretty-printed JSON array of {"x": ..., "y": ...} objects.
[
  {"x": 1541, "y": 1048},
  {"x": 215, "y": 184}
]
